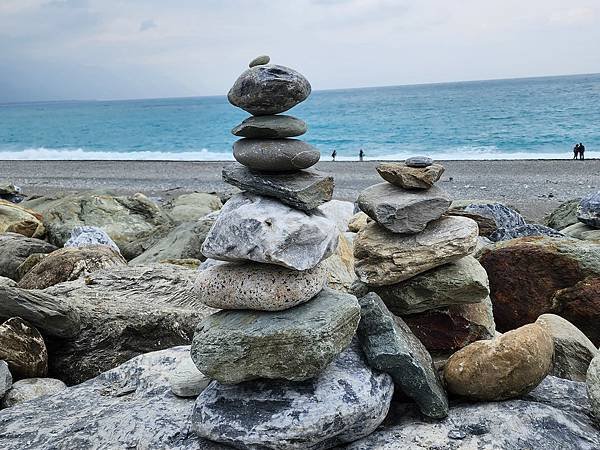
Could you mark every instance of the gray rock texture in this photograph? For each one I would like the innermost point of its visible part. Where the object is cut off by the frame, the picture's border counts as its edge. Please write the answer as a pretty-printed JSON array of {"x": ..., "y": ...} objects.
[
  {"x": 268, "y": 89},
  {"x": 259, "y": 61},
  {"x": 403, "y": 211},
  {"x": 338, "y": 211},
  {"x": 270, "y": 127},
  {"x": 504, "y": 234},
  {"x": 295, "y": 344},
  {"x": 504, "y": 216},
  {"x": 303, "y": 190},
  {"x": 582, "y": 231},
  {"x": 87, "y": 236},
  {"x": 186, "y": 380},
  {"x": 275, "y": 155},
  {"x": 406, "y": 177},
  {"x": 418, "y": 161},
  {"x": 343, "y": 403},
  {"x": 563, "y": 216},
  {"x": 254, "y": 286},
  {"x": 588, "y": 211},
  {"x": 5, "y": 378},
  {"x": 23, "y": 349},
  {"x": 15, "y": 249},
  {"x": 260, "y": 229},
  {"x": 592, "y": 382},
  {"x": 390, "y": 346},
  {"x": 193, "y": 206},
  {"x": 30, "y": 389}
]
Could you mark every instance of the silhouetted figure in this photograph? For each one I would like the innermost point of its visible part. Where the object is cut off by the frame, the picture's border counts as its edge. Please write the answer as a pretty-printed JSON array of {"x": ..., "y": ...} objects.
[
  {"x": 361, "y": 155},
  {"x": 333, "y": 155},
  {"x": 576, "y": 151},
  {"x": 581, "y": 151}
]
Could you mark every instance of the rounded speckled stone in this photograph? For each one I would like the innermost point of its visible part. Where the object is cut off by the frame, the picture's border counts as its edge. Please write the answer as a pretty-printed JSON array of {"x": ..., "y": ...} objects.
[
  {"x": 419, "y": 161},
  {"x": 263, "y": 287},
  {"x": 260, "y": 61},
  {"x": 275, "y": 155}
]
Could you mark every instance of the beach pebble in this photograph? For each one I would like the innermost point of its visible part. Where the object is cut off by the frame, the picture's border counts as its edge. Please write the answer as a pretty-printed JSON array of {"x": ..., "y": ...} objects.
[
  {"x": 269, "y": 89},
  {"x": 588, "y": 211},
  {"x": 270, "y": 127},
  {"x": 31, "y": 388},
  {"x": 275, "y": 155},
  {"x": 418, "y": 161},
  {"x": 259, "y": 61},
  {"x": 407, "y": 177},
  {"x": 186, "y": 380},
  {"x": 23, "y": 349}
]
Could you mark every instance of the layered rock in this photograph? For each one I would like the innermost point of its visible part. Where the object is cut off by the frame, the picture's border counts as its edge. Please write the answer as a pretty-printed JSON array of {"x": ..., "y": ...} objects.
[
  {"x": 16, "y": 219},
  {"x": 588, "y": 211},
  {"x": 563, "y": 216},
  {"x": 15, "y": 249},
  {"x": 407, "y": 177},
  {"x": 23, "y": 349}
]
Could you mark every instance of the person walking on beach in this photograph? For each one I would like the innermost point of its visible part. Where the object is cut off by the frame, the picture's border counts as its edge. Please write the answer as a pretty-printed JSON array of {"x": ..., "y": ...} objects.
[
  {"x": 333, "y": 155},
  {"x": 581, "y": 151},
  {"x": 361, "y": 155}
]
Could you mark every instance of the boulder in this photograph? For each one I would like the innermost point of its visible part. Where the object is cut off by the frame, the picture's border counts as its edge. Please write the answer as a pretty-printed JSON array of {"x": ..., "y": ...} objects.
[
  {"x": 504, "y": 234},
  {"x": 23, "y": 349},
  {"x": 503, "y": 216},
  {"x": 340, "y": 266},
  {"x": 131, "y": 406},
  {"x": 259, "y": 61},
  {"x": 5, "y": 378},
  {"x": 186, "y": 380},
  {"x": 68, "y": 264},
  {"x": 582, "y": 231},
  {"x": 16, "y": 219},
  {"x": 11, "y": 193},
  {"x": 254, "y": 286},
  {"x": 580, "y": 305},
  {"x": 294, "y": 344},
  {"x": 507, "y": 366},
  {"x": 270, "y": 127},
  {"x": 341, "y": 404},
  {"x": 7, "y": 282},
  {"x": 29, "y": 263},
  {"x": 305, "y": 189},
  {"x": 555, "y": 415},
  {"x": 526, "y": 274},
  {"x": 593, "y": 386},
  {"x": 463, "y": 281},
  {"x": 268, "y": 89},
  {"x": 573, "y": 351},
  {"x": 275, "y": 155},
  {"x": 90, "y": 237},
  {"x": 487, "y": 225},
  {"x": 403, "y": 211},
  {"x": 260, "y": 229},
  {"x": 30, "y": 389},
  {"x": 358, "y": 221},
  {"x": 563, "y": 216},
  {"x": 192, "y": 207},
  {"x": 338, "y": 211},
  {"x": 454, "y": 327},
  {"x": 124, "y": 218},
  {"x": 14, "y": 250},
  {"x": 125, "y": 311},
  {"x": 383, "y": 257},
  {"x": 390, "y": 347},
  {"x": 588, "y": 211},
  {"x": 407, "y": 177}
]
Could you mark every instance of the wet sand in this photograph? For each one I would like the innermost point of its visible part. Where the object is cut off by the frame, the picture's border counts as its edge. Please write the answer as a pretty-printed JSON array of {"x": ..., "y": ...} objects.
[{"x": 535, "y": 187}]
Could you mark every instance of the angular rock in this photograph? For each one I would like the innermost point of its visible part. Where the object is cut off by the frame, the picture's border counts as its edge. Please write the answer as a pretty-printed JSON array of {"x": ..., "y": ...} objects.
[
  {"x": 418, "y": 161},
  {"x": 5, "y": 378},
  {"x": 17, "y": 219},
  {"x": 403, "y": 211},
  {"x": 580, "y": 305},
  {"x": 275, "y": 155},
  {"x": 407, "y": 177},
  {"x": 131, "y": 406},
  {"x": 7, "y": 282},
  {"x": 526, "y": 274},
  {"x": 555, "y": 415},
  {"x": 338, "y": 211},
  {"x": 268, "y": 89},
  {"x": 504, "y": 234},
  {"x": 573, "y": 351},
  {"x": 588, "y": 211},
  {"x": 23, "y": 349},
  {"x": 383, "y": 257},
  {"x": 90, "y": 237},
  {"x": 593, "y": 386},
  {"x": 358, "y": 221},
  {"x": 486, "y": 225},
  {"x": 343, "y": 403},
  {"x": 260, "y": 229},
  {"x": 270, "y": 127},
  {"x": 31, "y": 261},
  {"x": 505, "y": 367},
  {"x": 563, "y": 216},
  {"x": 14, "y": 250},
  {"x": 582, "y": 231},
  {"x": 295, "y": 344},
  {"x": 186, "y": 380},
  {"x": 30, "y": 389},
  {"x": 303, "y": 190},
  {"x": 504, "y": 216},
  {"x": 463, "y": 281},
  {"x": 192, "y": 207},
  {"x": 390, "y": 346},
  {"x": 68, "y": 264},
  {"x": 340, "y": 266},
  {"x": 259, "y": 61},
  {"x": 449, "y": 329},
  {"x": 264, "y": 287}
]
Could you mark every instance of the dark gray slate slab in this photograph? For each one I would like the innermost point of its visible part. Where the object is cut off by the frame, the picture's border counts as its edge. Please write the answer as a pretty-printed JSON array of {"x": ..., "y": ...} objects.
[
  {"x": 504, "y": 216},
  {"x": 275, "y": 155},
  {"x": 277, "y": 126},
  {"x": 418, "y": 161},
  {"x": 588, "y": 211}
]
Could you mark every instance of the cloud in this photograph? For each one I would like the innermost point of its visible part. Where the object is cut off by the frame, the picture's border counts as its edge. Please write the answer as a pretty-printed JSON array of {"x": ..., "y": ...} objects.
[{"x": 147, "y": 24}]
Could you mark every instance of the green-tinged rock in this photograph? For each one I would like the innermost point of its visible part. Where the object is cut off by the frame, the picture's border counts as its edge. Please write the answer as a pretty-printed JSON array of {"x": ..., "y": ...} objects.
[
  {"x": 582, "y": 231},
  {"x": 193, "y": 206},
  {"x": 563, "y": 216},
  {"x": 15, "y": 249},
  {"x": 259, "y": 61},
  {"x": 295, "y": 344}
]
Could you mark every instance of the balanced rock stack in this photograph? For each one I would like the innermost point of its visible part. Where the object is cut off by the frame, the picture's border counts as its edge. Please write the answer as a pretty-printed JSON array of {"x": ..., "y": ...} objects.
[{"x": 286, "y": 371}]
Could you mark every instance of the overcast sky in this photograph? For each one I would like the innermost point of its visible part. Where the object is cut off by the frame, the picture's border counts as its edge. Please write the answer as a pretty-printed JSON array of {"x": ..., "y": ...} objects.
[{"x": 101, "y": 49}]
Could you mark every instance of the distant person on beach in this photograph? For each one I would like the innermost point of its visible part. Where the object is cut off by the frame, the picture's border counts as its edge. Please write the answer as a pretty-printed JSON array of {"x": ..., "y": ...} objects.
[
  {"x": 333, "y": 155},
  {"x": 581, "y": 151},
  {"x": 576, "y": 151},
  {"x": 361, "y": 155}
]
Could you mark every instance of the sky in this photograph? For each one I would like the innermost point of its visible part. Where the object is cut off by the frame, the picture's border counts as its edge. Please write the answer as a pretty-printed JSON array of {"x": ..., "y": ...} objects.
[{"x": 117, "y": 49}]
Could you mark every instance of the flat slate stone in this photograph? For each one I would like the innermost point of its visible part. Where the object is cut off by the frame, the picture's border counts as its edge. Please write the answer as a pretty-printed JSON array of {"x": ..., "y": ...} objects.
[
  {"x": 271, "y": 127},
  {"x": 390, "y": 346},
  {"x": 295, "y": 344},
  {"x": 268, "y": 89},
  {"x": 401, "y": 210},
  {"x": 305, "y": 189},
  {"x": 343, "y": 403},
  {"x": 275, "y": 155},
  {"x": 406, "y": 177},
  {"x": 418, "y": 161},
  {"x": 259, "y": 61}
]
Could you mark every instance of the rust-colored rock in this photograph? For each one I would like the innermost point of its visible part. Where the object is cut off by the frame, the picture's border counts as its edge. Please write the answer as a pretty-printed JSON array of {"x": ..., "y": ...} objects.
[
  {"x": 505, "y": 367},
  {"x": 580, "y": 305},
  {"x": 23, "y": 349}
]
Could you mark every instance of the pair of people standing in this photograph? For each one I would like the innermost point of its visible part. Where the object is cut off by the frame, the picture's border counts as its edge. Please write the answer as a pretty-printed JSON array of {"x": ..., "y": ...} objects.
[
  {"x": 361, "y": 155},
  {"x": 579, "y": 151}
]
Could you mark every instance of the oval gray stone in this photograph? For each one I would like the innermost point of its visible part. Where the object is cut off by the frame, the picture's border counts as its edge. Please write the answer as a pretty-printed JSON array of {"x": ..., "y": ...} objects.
[
  {"x": 270, "y": 127},
  {"x": 31, "y": 388},
  {"x": 418, "y": 161},
  {"x": 275, "y": 155},
  {"x": 259, "y": 61},
  {"x": 295, "y": 344},
  {"x": 268, "y": 89},
  {"x": 343, "y": 403}
]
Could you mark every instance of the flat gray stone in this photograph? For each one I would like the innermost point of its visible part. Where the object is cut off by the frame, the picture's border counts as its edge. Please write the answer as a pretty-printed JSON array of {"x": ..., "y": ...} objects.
[
  {"x": 255, "y": 228},
  {"x": 341, "y": 404},
  {"x": 275, "y": 155},
  {"x": 264, "y": 287},
  {"x": 30, "y": 389},
  {"x": 295, "y": 344},
  {"x": 504, "y": 216},
  {"x": 268, "y": 89},
  {"x": 186, "y": 380},
  {"x": 406, "y": 177},
  {"x": 390, "y": 346},
  {"x": 418, "y": 161},
  {"x": 588, "y": 211},
  {"x": 5, "y": 378},
  {"x": 87, "y": 236},
  {"x": 401, "y": 210},
  {"x": 305, "y": 189},
  {"x": 259, "y": 61},
  {"x": 271, "y": 127}
]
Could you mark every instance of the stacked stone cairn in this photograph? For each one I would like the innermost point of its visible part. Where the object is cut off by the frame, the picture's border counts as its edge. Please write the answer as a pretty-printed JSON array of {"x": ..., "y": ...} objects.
[{"x": 287, "y": 372}]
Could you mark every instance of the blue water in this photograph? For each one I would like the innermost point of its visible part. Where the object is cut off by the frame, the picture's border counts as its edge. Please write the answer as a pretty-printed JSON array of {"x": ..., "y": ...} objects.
[{"x": 504, "y": 119}]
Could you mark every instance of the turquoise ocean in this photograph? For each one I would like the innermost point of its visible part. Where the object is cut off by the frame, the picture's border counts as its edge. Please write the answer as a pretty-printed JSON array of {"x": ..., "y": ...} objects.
[{"x": 503, "y": 119}]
